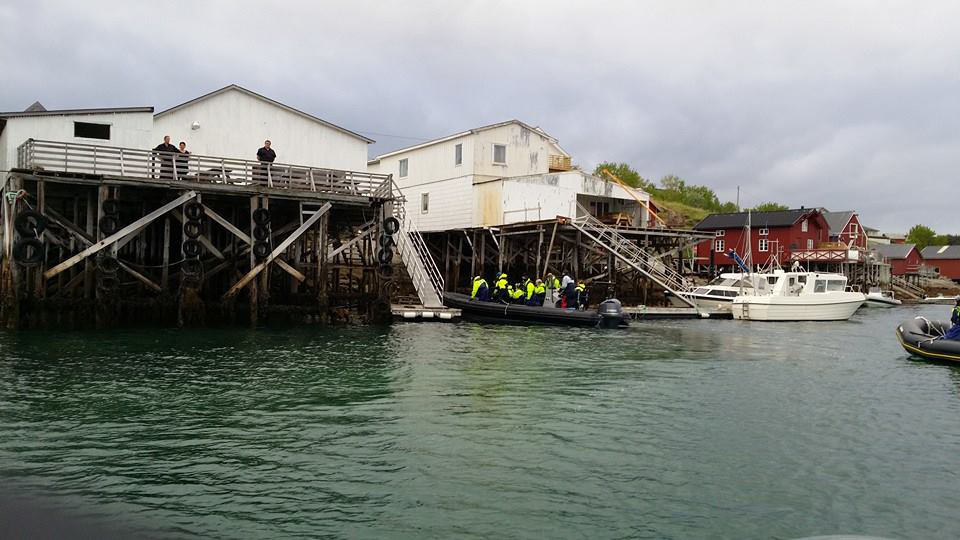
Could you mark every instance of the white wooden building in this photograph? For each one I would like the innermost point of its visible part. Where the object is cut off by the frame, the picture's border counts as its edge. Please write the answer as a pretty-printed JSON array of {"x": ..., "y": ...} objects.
[
  {"x": 495, "y": 175},
  {"x": 234, "y": 122}
]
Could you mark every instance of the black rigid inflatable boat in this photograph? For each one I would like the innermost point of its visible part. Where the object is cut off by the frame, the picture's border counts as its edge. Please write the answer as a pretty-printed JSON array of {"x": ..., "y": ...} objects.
[
  {"x": 924, "y": 338},
  {"x": 609, "y": 314}
]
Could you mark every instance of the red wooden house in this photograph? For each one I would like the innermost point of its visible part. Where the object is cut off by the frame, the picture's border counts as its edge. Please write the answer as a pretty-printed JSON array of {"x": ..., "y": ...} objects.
[
  {"x": 845, "y": 227},
  {"x": 773, "y": 234},
  {"x": 903, "y": 258},
  {"x": 943, "y": 259}
]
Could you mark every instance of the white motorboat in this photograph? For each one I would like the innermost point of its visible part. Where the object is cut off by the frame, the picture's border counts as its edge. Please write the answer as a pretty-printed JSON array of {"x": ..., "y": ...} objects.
[
  {"x": 939, "y": 299},
  {"x": 878, "y": 298},
  {"x": 799, "y": 296},
  {"x": 718, "y": 294}
]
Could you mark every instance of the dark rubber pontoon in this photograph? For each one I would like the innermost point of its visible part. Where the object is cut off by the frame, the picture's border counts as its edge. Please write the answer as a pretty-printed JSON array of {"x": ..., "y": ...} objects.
[
  {"x": 924, "y": 338},
  {"x": 609, "y": 314}
]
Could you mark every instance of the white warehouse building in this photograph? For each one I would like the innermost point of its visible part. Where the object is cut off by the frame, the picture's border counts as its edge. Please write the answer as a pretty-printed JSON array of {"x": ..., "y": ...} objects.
[{"x": 497, "y": 175}]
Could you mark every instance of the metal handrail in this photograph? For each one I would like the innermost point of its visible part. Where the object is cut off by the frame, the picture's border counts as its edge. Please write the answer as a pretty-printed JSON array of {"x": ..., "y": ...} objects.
[{"x": 44, "y": 155}]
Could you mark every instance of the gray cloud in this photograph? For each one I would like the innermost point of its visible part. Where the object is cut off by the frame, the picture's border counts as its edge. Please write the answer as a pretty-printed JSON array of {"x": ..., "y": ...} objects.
[{"x": 843, "y": 105}]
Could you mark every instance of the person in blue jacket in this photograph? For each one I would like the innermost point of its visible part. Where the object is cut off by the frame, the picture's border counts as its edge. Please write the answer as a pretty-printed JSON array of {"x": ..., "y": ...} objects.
[{"x": 954, "y": 331}]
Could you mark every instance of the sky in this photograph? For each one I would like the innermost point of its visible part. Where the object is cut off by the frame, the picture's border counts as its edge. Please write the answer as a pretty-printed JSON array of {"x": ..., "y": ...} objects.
[{"x": 843, "y": 104}]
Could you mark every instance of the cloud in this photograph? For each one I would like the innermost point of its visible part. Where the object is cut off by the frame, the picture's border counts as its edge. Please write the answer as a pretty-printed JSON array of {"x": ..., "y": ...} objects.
[{"x": 843, "y": 105}]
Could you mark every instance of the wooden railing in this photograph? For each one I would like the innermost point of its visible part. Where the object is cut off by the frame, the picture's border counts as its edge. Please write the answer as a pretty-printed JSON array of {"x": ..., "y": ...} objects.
[
  {"x": 41, "y": 155},
  {"x": 559, "y": 163}
]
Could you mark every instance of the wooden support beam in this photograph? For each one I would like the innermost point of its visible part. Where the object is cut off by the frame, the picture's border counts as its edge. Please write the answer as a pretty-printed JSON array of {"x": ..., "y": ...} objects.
[
  {"x": 140, "y": 277},
  {"x": 363, "y": 233},
  {"x": 71, "y": 227},
  {"x": 277, "y": 251},
  {"x": 553, "y": 236},
  {"x": 119, "y": 234},
  {"x": 297, "y": 275},
  {"x": 227, "y": 225},
  {"x": 204, "y": 241},
  {"x": 165, "y": 273}
]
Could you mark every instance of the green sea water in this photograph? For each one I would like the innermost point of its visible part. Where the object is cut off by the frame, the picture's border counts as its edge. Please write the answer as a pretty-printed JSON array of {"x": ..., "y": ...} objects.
[{"x": 671, "y": 429}]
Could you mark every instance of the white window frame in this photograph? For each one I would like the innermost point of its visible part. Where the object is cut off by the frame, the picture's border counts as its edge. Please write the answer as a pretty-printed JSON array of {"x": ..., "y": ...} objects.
[
  {"x": 495, "y": 162},
  {"x": 809, "y": 243},
  {"x": 764, "y": 245},
  {"x": 718, "y": 246},
  {"x": 853, "y": 230},
  {"x": 458, "y": 155},
  {"x": 721, "y": 232},
  {"x": 425, "y": 202},
  {"x": 404, "y": 168},
  {"x": 764, "y": 231},
  {"x": 804, "y": 226}
]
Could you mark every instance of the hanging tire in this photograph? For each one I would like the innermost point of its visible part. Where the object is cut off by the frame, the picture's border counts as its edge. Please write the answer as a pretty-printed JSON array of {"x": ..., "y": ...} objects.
[
  {"x": 110, "y": 207},
  {"x": 109, "y": 225},
  {"x": 385, "y": 271},
  {"x": 28, "y": 251},
  {"x": 108, "y": 265},
  {"x": 30, "y": 223},
  {"x": 191, "y": 267},
  {"x": 391, "y": 225},
  {"x": 193, "y": 210},
  {"x": 386, "y": 241},
  {"x": 261, "y": 233},
  {"x": 191, "y": 248},
  {"x": 191, "y": 229},
  {"x": 261, "y": 216},
  {"x": 108, "y": 282},
  {"x": 261, "y": 250},
  {"x": 385, "y": 256}
]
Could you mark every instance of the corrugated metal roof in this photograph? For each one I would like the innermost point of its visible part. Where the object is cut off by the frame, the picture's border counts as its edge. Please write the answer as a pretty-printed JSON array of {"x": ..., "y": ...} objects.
[
  {"x": 894, "y": 251},
  {"x": 940, "y": 252},
  {"x": 838, "y": 220},
  {"x": 65, "y": 112},
  {"x": 780, "y": 218}
]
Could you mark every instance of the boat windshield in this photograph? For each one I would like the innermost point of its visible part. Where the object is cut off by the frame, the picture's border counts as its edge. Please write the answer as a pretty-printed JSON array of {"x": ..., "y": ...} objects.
[{"x": 836, "y": 285}]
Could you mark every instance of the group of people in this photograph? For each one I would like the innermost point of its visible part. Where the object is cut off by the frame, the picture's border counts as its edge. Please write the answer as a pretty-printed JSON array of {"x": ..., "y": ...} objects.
[
  {"x": 564, "y": 293},
  {"x": 175, "y": 160}
]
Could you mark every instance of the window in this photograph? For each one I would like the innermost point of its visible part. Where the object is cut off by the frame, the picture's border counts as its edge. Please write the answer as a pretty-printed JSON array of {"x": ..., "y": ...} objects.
[
  {"x": 853, "y": 229},
  {"x": 764, "y": 244},
  {"x": 809, "y": 243},
  {"x": 836, "y": 285},
  {"x": 500, "y": 154},
  {"x": 424, "y": 203},
  {"x": 820, "y": 285},
  {"x": 719, "y": 247},
  {"x": 803, "y": 226},
  {"x": 764, "y": 231},
  {"x": 403, "y": 167},
  {"x": 721, "y": 232},
  {"x": 458, "y": 154},
  {"x": 91, "y": 131},
  {"x": 600, "y": 208}
]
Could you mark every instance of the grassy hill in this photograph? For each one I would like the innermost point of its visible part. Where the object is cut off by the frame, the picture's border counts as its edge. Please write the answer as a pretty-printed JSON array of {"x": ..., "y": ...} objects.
[{"x": 679, "y": 215}]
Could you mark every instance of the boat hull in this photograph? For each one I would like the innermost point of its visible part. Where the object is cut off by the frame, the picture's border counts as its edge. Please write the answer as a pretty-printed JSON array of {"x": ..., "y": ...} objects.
[
  {"x": 838, "y": 306},
  {"x": 918, "y": 337},
  {"x": 518, "y": 314},
  {"x": 881, "y": 303}
]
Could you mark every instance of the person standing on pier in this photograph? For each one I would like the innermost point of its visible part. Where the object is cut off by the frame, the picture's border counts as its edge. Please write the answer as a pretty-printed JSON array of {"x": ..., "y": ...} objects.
[
  {"x": 166, "y": 151},
  {"x": 183, "y": 161},
  {"x": 265, "y": 156}
]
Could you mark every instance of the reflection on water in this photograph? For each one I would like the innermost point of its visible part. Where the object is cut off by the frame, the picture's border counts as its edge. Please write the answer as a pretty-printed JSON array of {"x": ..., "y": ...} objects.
[{"x": 672, "y": 429}]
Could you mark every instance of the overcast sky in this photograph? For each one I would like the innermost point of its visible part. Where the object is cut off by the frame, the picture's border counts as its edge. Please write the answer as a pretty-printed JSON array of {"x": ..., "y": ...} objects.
[{"x": 846, "y": 105}]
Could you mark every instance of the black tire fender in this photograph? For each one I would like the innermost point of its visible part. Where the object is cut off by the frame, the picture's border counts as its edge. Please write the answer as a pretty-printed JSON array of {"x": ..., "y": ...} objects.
[
  {"x": 386, "y": 271},
  {"x": 261, "y": 250},
  {"x": 261, "y": 216},
  {"x": 391, "y": 225},
  {"x": 191, "y": 229},
  {"x": 260, "y": 234},
  {"x": 110, "y": 207},
  {"x": 191, "y": 248},
  {"x": 108, "y": 265},
  {"x": 22, "y": 251},
  {"x": 193, "y": 210},
  {"x": 385, "y": 256},
  {"x": 191, "y": 267},
  {"x": 386, "y": 241},
  {"x": 109, "y": 225},
  {"x": 30, "y": 223}
]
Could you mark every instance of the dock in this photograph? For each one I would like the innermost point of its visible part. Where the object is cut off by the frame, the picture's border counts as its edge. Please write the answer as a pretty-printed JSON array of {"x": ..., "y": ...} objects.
[{"x": 660, "y": 312}]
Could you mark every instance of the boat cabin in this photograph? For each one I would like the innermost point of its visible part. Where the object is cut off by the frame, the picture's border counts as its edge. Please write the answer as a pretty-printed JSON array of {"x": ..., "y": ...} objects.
[{"x": 797, "y": 283}]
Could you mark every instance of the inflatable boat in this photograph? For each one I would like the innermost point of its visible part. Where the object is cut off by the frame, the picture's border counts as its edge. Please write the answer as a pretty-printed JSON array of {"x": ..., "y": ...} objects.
[
  {"x": 924, "y": 338},
  {"x": 609, "y": 314}
]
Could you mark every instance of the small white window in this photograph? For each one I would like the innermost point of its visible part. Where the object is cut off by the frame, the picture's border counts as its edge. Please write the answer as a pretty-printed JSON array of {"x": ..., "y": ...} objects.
[
  {"x": 424, "y": 203},
  {"x": 764, "y": 232},
  {"x": 721, "y": 232},
  {"x": 719, "y": 247},
  {"x": 458, "y": 154},
  {"x": 803, "y": 226},
  {"x": 853, "y": 229},
  {"x": 763, "y": 244},
  {"x": 500, "y": 154},
  {"x": 809, "y": 243},
  {"x": 403, "y": 167}
]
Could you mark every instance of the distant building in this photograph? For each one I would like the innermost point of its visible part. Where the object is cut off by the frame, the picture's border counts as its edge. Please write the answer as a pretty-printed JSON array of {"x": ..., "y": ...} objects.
[
  {"x": 945, "y": 260},
  {"x": 903, "y": 258},
  {"x": 781, "y": 235},
  {"x": 845, "y": 227},
  {"x": 496, "y": 175}
]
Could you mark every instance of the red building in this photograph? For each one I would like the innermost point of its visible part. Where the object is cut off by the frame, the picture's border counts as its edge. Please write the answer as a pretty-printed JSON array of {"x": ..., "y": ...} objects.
[
  {"x": 903, "y": 258},
  {"x": 773, "y": 234},
  {"x": 943, "y": 259},
  {"x": 845, "y": 227}
]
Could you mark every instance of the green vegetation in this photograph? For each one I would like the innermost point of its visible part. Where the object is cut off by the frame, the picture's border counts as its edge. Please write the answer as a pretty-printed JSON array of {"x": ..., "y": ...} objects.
[
  {"x": 924, "y": 236},
  {"x": 770, "y": 207}
]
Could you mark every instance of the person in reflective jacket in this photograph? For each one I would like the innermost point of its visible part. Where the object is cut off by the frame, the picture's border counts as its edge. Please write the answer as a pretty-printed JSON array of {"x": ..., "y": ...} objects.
[
  {"x": 553, "y": 290},
  {"x": 500, "y": 289},
  {"x": 578, "y": 299},
  {"x": 539, "y": 293},
  {"x": 480, "y": 290},
  {"x": 516, "y": 294},
  {"x": 528, "y": 288},
  {"x": 954, "y": 331}
]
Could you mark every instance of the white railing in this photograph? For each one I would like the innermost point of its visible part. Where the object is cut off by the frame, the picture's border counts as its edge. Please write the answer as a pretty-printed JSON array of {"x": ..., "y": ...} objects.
[
  {"x": 149, "y": 165},
  {"x": 629, "y": 252},
  {"x": 413, "y": 250}
]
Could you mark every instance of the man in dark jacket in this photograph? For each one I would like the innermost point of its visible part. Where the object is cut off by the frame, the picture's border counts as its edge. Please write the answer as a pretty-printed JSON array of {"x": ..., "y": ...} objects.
[
  {"x": 265, "y": 156},
  {"x": 166, "y": 151}
]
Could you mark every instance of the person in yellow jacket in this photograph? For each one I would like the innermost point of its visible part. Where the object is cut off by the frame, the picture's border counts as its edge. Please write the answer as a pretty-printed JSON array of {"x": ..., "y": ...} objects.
[
  {"x": 580, "y": 297},
  {"x": 516, "y": 294},
  {"x": 480, "y": 289},
  {"x": 553, "y": 290},
  {"x": 528, "y": 288},
  {"x": 539, "y": 293},
  {"x": 500, "y": 289}
]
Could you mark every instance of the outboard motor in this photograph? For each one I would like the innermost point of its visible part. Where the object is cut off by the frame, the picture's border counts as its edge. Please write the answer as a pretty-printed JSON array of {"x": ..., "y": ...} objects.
[{"x": 611, "y": 313}]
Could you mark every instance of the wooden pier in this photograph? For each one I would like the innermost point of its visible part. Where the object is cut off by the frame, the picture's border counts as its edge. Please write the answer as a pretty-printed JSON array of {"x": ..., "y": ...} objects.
[{"x": 102, "y": 236}]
